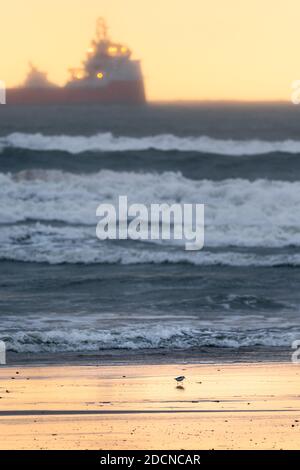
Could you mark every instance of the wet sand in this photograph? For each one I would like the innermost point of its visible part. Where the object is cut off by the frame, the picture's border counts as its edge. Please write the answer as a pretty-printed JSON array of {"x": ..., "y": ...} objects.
[{"x": 232, "y": 406}]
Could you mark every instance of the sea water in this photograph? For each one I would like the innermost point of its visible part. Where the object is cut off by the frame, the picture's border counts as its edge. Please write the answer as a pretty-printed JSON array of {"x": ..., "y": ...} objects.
[{"x": 62, "y": 290}]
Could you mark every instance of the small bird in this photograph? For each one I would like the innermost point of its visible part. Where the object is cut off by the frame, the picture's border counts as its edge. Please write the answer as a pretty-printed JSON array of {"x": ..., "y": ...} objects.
[{"x": 179, "y": 379}]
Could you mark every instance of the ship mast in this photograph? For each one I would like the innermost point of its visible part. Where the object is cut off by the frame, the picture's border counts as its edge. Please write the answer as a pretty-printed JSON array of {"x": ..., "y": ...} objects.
[{"x": 101, "y": 30}]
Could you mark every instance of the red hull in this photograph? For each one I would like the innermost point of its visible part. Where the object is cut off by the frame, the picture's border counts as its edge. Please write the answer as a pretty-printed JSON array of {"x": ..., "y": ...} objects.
[{"x": 125, "y": 92}]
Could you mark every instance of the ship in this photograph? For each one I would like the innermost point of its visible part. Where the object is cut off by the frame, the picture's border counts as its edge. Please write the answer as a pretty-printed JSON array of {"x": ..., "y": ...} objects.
[{"x": 108, "y": 75}]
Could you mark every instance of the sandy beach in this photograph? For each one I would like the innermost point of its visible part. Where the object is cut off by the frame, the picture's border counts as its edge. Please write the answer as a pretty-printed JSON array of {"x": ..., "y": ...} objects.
[{"x": 232, "y": 406}]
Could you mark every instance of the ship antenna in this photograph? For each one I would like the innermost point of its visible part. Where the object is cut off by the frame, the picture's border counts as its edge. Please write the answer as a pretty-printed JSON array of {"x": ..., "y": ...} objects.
[{"x": 101, "y": 30}]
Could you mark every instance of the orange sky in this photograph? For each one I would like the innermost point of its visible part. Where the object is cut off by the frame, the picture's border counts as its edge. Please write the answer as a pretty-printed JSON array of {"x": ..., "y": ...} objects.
[{"x": 191, "y": 49}]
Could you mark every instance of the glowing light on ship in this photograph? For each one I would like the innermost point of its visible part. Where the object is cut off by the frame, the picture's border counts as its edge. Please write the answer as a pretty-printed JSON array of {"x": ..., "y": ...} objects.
[{"x": 112, "y": 50}]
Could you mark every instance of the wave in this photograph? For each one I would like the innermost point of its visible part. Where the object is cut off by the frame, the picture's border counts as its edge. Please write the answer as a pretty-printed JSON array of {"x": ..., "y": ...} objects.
[
  {"x": 59, "y": 245},
  {"x": 107, "y": 142},
  {"x": 168, "y": 337},
  {"x": 238, "y": 212},
  {"x": 193, "y": 165}
]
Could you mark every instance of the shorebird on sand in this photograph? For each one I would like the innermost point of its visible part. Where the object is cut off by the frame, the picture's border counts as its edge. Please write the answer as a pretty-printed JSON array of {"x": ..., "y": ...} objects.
[{"x": 179, "y": 380}]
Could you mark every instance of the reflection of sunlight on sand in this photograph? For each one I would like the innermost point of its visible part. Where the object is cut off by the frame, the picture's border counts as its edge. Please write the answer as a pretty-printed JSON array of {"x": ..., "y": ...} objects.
[{"x": 234, "y": 406}]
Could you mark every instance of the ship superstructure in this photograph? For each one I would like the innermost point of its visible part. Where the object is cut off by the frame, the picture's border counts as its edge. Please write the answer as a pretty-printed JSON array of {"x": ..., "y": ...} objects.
[
  {"x": 37, "y": 79},
  {"x": 107, "y": 75}
]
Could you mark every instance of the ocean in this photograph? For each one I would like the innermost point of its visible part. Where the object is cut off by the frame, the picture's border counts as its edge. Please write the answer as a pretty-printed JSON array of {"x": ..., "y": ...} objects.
[{"x": 66, "y": 296}]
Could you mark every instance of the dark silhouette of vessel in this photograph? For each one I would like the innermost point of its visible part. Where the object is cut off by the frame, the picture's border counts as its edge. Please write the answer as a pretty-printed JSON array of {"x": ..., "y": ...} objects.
[{"x": 108, "y": 75}]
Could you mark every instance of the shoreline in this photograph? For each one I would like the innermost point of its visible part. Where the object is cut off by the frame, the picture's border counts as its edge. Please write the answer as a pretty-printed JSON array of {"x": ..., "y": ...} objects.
[
  {"x": 220, "y": 406},
  {"x": 205, "y": 355}
]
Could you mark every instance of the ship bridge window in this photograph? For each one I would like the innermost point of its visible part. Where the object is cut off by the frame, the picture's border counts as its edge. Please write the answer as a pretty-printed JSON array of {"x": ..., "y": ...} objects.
[{"x": 112, "y": 50}]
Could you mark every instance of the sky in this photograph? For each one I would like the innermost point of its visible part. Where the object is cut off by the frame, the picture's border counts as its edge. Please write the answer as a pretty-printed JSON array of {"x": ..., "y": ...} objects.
[{"x": 190, "y": 50}]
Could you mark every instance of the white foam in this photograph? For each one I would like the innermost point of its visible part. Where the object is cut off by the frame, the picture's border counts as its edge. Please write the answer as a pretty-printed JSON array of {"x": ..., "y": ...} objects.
[
  {"x": 238, "y": 212},
  {"x": 107, "y": 142},
  {"x": 166, "y": 336},
  {"x": 55, "y": 245}
]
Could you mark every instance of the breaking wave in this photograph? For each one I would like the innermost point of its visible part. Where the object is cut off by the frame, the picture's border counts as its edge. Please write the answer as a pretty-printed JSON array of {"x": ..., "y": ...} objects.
[
  {"x": 107, "y": 142},
  {"x": 43, "y": 208},
  {"x": 168, "y": 337},
  {"x": 39, "y": 243}
]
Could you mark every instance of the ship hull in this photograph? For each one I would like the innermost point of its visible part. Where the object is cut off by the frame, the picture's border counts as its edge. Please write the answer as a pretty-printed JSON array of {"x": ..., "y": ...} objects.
[{"x": 123, "y": 92}]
